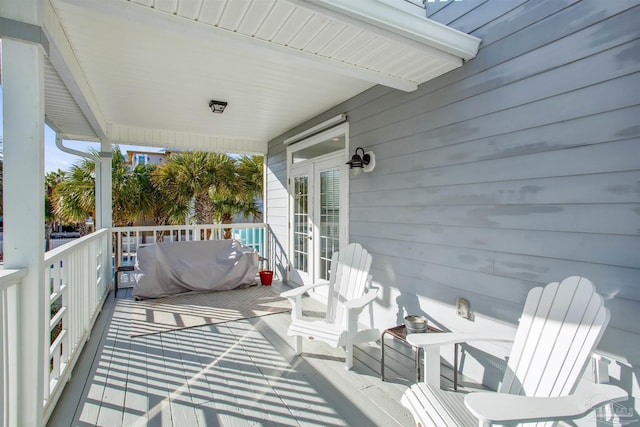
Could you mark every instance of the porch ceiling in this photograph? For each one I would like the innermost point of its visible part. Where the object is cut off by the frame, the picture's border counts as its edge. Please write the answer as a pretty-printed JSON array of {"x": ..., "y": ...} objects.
[{"x": 143, "y": 71}]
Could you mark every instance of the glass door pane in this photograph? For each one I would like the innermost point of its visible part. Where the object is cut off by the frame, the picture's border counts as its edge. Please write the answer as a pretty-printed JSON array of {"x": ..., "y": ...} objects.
[
  {"x": 329, "y": 219},
  {"x": 301, "y": 232}
]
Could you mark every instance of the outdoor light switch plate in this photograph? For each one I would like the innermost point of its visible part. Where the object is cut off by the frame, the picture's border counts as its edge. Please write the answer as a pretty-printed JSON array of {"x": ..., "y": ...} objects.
[{"x": 462, "y": 308}]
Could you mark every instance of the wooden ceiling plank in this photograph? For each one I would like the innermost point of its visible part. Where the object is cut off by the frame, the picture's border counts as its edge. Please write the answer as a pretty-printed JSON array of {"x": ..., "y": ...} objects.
[
  {"x": 309, "y": 32},
  {"x": 273, "y": 21},
  {"x": 292, "y": 26},
  {"x": 211, "y": 11},
  {"x": 189, "y": 9},
  {"x": 255, "y": 16},
  {"x": 233, "y": 14},
  {"x": 169, "y": 6}
]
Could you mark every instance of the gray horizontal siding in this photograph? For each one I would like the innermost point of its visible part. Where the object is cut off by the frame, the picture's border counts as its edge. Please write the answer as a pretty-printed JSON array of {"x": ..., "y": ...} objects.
[
  {"x": 276, "y": 207},
  {"x": 611, "y": 157},
  {"x": 609, "y": 188},
  {"x": 615, "y": 250},
  {"x": 594, "y": 218},
  {"x": 518, "y": 169}
]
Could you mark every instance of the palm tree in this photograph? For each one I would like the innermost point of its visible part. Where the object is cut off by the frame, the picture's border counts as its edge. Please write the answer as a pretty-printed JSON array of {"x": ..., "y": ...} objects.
[
  {"x": 165, "y": 208},
  {"x": 196, "y": 176},
  {"x": 52, "y": 180},
  {"x": 241, "y": 198},
  {"x": 219, "y": 185},
  {"x": 130, "y": 198},
  {"x": 251, "y": 171},
  {"x": 74, "y": 198}
]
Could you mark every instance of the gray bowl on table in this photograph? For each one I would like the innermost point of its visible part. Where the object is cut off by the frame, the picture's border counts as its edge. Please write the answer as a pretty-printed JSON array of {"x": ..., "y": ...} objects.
[{"x": 415, "y": 324}]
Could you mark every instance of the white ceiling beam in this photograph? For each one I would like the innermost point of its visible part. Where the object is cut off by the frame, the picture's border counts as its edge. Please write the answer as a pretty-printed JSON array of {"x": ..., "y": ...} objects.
[
  {"x": 66, "y": 64},
  {"x": 153, "y": 17},
  {"x": 385, "y": 19},
  {"x": 130, "y": 135}
]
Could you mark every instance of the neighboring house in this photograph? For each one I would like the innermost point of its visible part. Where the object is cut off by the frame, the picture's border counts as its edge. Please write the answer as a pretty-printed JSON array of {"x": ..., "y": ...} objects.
[
  {"x": 494, "y": 173},
  {"x": 146, "y": 158}
]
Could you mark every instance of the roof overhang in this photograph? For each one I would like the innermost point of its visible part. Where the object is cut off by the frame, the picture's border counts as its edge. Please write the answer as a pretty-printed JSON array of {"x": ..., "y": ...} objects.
[{"x": 142, "y": 72}]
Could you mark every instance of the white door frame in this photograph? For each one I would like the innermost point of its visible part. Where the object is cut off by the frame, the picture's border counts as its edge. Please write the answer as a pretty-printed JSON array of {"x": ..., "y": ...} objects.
[
  {"x": 301, "y": 170},
  {"x": 314, "y": 167}
]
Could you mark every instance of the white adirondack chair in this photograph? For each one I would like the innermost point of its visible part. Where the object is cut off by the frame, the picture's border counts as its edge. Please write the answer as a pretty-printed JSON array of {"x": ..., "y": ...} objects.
[
  {"x": 349, "y": 292},
  {"x": 560, "y": 327}
]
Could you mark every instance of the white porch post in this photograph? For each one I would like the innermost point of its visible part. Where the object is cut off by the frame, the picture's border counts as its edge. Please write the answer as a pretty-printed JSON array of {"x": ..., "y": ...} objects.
[
  {"x": 104, "y": 188},
  {"x": 23, "y": 97}
]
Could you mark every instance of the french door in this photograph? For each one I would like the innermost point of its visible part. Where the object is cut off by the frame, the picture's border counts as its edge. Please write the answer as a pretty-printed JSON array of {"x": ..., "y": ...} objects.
[
  {"x": 302, "y": 225},
  {"x": 318, "y": 215}
]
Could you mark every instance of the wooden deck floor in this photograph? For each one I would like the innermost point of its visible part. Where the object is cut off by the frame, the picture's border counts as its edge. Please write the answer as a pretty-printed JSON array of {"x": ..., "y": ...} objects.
[{"x": 240, "y": 373}]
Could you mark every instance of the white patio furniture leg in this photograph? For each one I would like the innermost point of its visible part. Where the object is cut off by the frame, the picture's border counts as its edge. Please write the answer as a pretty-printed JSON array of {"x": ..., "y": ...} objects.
[
  {"x": 348, "y": 350},
  {"x": 352, "y": 329},
  {"x": 432, "y": 365},
  {"x": 298, "y": 345}
]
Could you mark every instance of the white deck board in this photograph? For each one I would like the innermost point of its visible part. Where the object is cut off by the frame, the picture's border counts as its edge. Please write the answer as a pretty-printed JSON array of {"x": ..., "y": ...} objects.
[
  {"x": 158, "y": 384},
  {"x": 219, "y": 407},
  {"x": 113, "y": 393},
  {"x": 240, "y": 373},
  {"x": 180, "y": 396},
  {"x": 265, "y": 369},
  {"x": 136, "y": 400}
]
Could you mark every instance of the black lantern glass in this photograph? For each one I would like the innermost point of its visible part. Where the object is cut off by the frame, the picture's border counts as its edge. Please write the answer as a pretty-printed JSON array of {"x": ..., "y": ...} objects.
[{"x": 358, "y": 161}]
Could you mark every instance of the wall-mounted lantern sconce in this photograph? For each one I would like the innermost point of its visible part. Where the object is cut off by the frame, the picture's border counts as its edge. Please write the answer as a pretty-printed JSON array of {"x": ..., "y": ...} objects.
[
  {"x": 364, "y": 163},
  {"x": 217, "y": 106}
]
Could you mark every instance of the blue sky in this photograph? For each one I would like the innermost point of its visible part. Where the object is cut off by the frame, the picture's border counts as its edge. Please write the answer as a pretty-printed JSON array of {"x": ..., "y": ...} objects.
[{"x": 55, "y": 159}]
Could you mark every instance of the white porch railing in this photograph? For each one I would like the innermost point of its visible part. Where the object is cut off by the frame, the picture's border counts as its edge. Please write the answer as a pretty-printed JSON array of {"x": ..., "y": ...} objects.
[
  {"x": 9, "y": 341},
  {"x": 127, "y": 240},
  {"x": 77, "y": 279},
  {"x": 76, "y": 283}
]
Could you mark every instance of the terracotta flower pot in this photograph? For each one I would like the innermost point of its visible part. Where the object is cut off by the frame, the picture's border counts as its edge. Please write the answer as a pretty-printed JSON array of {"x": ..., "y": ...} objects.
[{"x": 266, "y": 277}]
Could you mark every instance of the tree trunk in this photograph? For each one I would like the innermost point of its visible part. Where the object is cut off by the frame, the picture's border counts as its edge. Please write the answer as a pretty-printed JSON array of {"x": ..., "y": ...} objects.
[
  {"x": 227, "y": 219},
  {"x": 203, "y": 209}
]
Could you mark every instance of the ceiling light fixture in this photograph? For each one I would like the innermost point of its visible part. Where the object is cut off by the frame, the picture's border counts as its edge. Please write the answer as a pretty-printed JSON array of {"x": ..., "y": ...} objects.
[{"x": 217, "y": 106}]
